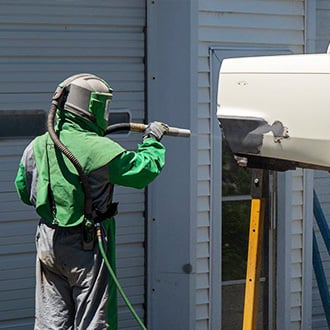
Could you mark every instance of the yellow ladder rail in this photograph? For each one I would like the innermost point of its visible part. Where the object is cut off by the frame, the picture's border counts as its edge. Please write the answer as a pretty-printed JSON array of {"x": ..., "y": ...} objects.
[{"x": 257, "y": 215}]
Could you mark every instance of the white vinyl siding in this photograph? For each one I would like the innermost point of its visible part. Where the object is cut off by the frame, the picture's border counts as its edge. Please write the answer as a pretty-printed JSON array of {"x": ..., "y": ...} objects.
[
  {"x": 42, "y": 43},
  {"x": 296, "y": 249},
  {"x": 235, "y": 25},
  {"x": 322, "y": 25}
]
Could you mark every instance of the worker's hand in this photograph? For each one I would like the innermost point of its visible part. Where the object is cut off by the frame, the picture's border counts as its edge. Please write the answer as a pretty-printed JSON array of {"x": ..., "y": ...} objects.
[{"x": 156, "y": 130}]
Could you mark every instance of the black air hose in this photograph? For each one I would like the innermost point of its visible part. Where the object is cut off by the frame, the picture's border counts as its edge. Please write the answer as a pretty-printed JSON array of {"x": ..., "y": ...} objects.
[{"x": 126, "y": 127}]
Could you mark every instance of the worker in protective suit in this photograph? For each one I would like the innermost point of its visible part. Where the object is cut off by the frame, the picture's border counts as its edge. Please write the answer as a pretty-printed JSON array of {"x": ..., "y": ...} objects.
[{"x": 73, "y": 289}]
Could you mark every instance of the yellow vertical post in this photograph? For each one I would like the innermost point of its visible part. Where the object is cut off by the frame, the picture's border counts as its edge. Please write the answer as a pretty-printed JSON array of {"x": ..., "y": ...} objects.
[{"x": 257, "y": 213}]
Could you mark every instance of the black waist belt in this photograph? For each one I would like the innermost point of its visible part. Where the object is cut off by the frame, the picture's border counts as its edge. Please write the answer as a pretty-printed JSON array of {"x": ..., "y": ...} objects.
[{"x": 111, "y": 212}]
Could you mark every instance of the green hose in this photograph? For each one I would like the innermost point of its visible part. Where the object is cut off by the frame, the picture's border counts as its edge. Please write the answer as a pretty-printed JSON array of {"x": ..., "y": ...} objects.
[{"x": 114, "y": 277}]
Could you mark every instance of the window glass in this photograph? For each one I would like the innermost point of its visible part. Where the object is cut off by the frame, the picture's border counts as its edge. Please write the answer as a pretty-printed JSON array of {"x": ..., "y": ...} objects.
[
  {"x": 236, "y": 180},
  {"x": 22, "y": 123},
  {"x": 235, "y": 236}
]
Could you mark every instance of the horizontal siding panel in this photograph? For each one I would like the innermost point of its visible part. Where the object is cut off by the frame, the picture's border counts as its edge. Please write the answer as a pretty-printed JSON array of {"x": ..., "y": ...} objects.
[
  {"x": 296, "y": 270},
  {"x": 9, "y": 217},
  {"x": 203, "y": 48},
  {"x": 22, "y": 312},
  {"x": 322, "y": 5},
  {"x": 126, "y": 320},
  {"x": 203, "y": 80},
  {"x": 295, "y": 299},
  {"x": 131, "y": 272},
  {"x": 297, "y": 230},
  {"x": 17, "y": 273},
  {"x": 73, "y": 43},
  {"x": 26, "y": 324},
  {"x": 31, "y": 66},
  {"x": 204, "y": 126},
  {"x": 16, "y": 228},
  {"x": 134, "y": 292},
  {"x": 254, "y": 6},
  {"x": 203, "y": 218},
  {"x": 296, "y": 242},
  {"x": 203, "y": 64},
  {"x": 130, "y": 230},
  {"x": 204, "y": 111},
  {"x": 202, "y": 311},
  {"x": 203, "y": 188},
  {"x": 204, "y": 157},
  {"x": 268, "y": 37},
  {"x": 24, "y": 283},
  {"x": 203, "y": 235},
  {"x": 12, "y": 206},
  {"x": 202, "y": 281},
  {"x": 297, "y": 213},
  {"x": 251, "y": 20},
  {"x": 15, "y": 304},
  {"x": 297, "y": 197},
  {"x": 296, "y": 284},
  {"x": 297, "y": 183},
  {"x": 134, "y": 101},
  {"x": 203, "y": 171},
  {"x": 11, "y": 148},
  {"x": 204, "y": 95},
  {"x": 109, "y": 18},
  {"x": 17, "y": 78},
  {"x": 202, "y": 250},
  {"x": 35, "y": 87},
  {"x": 30, "y": 40},
  {"x": 134, "y": 282},
  {"x": 129, "y": 238},
  {"x": 204, "y": 141},
  {"x": 202, "y": 296},
  {"x": 127, "y": 220},
  {"x": 203, "y": 204},
  {"x": 202, "y": 324},
  {"x": 322, "y": 23},
  {"x": 13, "y": 245},
  {"x": 296, "y": 256},
  {"x": 128, "y": 4},
  {"x": 202, "y": 265}
]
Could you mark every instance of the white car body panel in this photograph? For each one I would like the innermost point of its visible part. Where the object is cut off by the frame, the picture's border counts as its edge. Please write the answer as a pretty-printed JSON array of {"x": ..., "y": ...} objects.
[{"x": 275, "y": 110}]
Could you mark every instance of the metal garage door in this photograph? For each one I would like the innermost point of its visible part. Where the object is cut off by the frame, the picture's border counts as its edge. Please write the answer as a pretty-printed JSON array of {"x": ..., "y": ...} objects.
[{"x": 41, "y": 44}]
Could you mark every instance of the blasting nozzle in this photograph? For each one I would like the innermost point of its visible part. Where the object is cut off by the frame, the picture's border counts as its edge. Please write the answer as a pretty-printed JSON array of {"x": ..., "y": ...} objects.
[
  {"x": 172, "y": 131},
  {"x": 137, "y": 127}
]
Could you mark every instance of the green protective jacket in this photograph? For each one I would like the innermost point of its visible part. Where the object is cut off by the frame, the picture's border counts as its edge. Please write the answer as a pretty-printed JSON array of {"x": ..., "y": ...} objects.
[{"x": 47, "y": 180}]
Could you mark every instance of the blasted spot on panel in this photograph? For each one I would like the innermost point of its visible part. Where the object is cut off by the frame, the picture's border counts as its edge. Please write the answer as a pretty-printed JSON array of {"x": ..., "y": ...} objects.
[{"x": 245, "y": 135}]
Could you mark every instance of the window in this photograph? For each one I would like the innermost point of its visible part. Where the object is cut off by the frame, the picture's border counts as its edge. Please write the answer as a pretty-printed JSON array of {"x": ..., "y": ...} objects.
[
  {"x": 236, "y": 203},
  {"x": 22, "y": 123}
]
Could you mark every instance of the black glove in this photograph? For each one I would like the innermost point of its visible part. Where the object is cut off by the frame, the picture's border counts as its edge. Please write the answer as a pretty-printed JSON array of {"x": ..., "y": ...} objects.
[{"x": 156, "y": 130}]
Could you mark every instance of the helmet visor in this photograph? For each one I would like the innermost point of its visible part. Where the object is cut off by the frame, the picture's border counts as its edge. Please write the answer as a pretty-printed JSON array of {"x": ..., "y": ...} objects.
[
  {"x": 107, "y": 109},
  {"x": 100, "y": 107}
]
